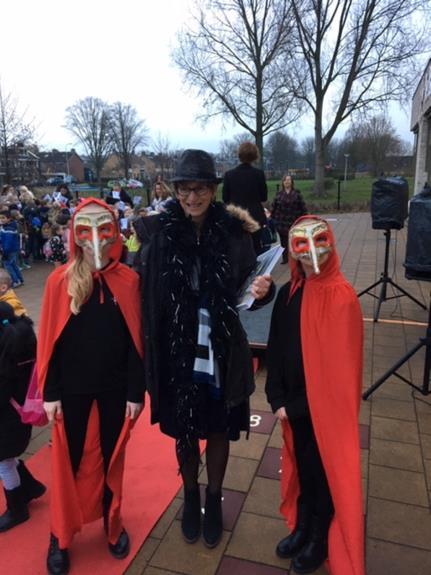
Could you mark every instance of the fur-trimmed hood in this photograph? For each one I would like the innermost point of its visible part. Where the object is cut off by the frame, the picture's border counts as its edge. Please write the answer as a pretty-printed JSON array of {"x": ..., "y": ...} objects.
[{"x": 248, "y": 223}]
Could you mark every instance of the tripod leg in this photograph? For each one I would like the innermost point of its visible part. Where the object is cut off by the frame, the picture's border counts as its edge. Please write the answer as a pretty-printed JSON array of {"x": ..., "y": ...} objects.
[
  {"x": 366, "y": 290},
  {"x": 393, "y": 369},
  {"x": 403, "y": 291},
  {"x": 382, "y": 298}
]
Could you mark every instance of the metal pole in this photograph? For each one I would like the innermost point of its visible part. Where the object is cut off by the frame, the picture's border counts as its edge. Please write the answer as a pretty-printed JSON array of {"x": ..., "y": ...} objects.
[
  {"x": 338, "y": 194},
  {"x": 346, "y": 161}
]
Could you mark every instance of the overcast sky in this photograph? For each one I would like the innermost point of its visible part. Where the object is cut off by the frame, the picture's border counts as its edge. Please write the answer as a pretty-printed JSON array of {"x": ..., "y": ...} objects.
[{"x": 55, "y": 52}]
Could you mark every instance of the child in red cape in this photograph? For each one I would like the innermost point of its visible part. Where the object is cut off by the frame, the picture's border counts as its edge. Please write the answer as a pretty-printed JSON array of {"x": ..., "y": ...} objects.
[
  {"x": 91, "y": 376},
  {"x": 314, "y": 384}
]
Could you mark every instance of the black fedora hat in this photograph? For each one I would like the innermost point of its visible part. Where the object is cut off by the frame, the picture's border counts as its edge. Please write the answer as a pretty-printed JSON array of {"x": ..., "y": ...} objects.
[{"x": 197, "y": 166}]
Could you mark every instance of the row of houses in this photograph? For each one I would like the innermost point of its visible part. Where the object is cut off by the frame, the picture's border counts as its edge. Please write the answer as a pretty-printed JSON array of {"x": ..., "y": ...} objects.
[{"x": 26, "y": 164}]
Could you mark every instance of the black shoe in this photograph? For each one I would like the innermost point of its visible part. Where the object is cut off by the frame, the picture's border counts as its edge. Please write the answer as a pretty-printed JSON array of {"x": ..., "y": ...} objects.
[
  {"x": 32, "y": 488},
  {"x": 120, "y": 549},
  {"x": 213, "y": 519},
  {"x": 291, "y": 545},
  {"x": 57, "y": 561},
  {"x": 16, "y": 511},
  {"x": 315, "y": 551},
  {"x": 191, "y": 519}
]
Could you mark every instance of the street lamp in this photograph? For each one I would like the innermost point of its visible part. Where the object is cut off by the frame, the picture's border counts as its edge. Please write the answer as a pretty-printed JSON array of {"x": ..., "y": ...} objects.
[
  {"x": 67, "y": 159},
  {"x": 346, "y": 161}
]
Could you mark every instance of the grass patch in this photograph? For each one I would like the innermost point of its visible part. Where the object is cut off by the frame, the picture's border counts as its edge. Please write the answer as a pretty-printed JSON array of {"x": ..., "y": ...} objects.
[{"x": 355, "y": 195}]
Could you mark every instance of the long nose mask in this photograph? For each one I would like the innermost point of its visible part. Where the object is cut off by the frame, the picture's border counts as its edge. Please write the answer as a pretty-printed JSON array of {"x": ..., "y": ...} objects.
[
  {"x": 93, "y": 232},
  {"x": 310, "y": 241}
]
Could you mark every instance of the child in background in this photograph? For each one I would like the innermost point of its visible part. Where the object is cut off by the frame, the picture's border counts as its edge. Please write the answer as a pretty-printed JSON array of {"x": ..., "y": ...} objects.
[
  {"x": 8, "y": 295},
  {"x": 132, "y": 244},
  {"x": 9, "y": 241},
  {"x": 58, "y": 254},
  {"x": 17, "y": 355}
]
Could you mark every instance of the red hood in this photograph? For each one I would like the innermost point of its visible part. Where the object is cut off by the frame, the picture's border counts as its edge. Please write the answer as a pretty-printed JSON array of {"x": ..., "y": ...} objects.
[{"x": 116, "y": 248}]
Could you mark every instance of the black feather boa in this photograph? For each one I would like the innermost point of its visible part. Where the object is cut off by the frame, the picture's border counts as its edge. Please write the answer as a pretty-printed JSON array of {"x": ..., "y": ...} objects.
[{"x": 179, "y": 298}]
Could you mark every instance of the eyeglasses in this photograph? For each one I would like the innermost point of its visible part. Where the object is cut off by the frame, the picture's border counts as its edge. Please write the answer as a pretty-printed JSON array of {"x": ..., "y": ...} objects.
[{"x": 198, "y": 190}]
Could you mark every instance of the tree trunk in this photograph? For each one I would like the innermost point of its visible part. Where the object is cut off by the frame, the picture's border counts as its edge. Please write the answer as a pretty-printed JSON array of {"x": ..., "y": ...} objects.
[{"x": 319, "y": 162}]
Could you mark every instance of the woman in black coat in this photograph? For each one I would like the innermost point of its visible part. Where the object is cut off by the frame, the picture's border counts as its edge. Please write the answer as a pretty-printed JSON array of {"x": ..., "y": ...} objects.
[
  {"x": 17, "y": 355},
  {"x": 194, "y": 257},
  {"x": 286, "y": 208}
]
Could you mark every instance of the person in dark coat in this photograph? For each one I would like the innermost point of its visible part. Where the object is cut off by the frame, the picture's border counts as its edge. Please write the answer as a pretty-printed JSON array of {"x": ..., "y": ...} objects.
[
  {"x": 245, "y": 186},
  {"x": 118, "y": 194},
  {"x": 194, "y": 257},
  {"x": 17, "y": 355},
  {"x": 286, "y": 208}
]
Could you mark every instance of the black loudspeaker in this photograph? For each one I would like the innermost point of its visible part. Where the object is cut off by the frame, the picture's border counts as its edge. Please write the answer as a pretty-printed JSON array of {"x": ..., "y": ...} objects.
[
  {"x": 389, "y": 203},
  {"x": 418, "y": 250}
]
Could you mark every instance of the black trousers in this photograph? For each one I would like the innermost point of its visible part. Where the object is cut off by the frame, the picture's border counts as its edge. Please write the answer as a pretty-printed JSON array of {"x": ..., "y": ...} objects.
[
  {"x": 76, "y": 411},
  {"x": 312, "y": 478}
]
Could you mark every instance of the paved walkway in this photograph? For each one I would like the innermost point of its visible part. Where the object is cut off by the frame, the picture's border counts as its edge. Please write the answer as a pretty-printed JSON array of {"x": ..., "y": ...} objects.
[{"x": 395, "y": 441}]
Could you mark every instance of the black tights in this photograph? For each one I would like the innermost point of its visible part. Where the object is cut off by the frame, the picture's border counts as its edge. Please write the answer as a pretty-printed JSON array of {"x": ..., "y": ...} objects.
[
  {"x": 313, "y": 483},
  {"x": 217, "y": 455}
]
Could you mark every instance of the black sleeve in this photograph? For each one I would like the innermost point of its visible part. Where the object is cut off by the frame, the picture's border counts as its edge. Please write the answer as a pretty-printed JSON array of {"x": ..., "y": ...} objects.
[
  {"x": 52, "y": 388},
  {"x": 263, "y": 189},
  {"x": 226, "y": 190},
  {"x": 274, "y": 388},
  {"x": 135, "y": 375},
  {"x": 6, "y": 389}
]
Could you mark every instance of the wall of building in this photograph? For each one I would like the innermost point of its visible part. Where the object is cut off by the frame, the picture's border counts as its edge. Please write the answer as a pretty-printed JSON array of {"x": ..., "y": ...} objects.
[{"x": 421, "y": 126}]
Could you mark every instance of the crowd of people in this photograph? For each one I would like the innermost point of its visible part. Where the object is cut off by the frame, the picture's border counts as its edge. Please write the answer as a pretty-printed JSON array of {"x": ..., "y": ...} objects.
[{"x": 145, "y": 300}]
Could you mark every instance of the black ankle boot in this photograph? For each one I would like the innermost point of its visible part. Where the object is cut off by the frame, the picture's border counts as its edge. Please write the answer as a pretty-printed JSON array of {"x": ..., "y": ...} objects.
[
  {"x": 213, "y": 519},
  {"x": 57, "y": 561},
  {"x": 315, "y": 551},
  {"x": 291, "y": 545},
  {"x": 17, "y": 511},
  {"x": 191, "y": 519},
  {"x": 120, "y": 549},
  {"x": 32, "y": 488}
]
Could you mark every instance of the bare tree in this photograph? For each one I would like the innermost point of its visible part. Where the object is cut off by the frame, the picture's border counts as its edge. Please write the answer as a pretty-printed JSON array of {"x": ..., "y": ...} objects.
[
  {"x": 372, "y": 142},
  {"x": 88, "y": 120},
  {"x": 358, "y": 54},
  {"x": 234, "y": 54},
  {"x": 282, "y": 152},
  {"x": 14, "y": 129},
  {"x": 164, "y": 155},
  {"x": 128, "y": 132}
]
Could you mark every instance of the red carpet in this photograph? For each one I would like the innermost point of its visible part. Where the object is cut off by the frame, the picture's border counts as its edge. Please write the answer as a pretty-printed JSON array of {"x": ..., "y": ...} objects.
[{"x": 150, "y": 484}]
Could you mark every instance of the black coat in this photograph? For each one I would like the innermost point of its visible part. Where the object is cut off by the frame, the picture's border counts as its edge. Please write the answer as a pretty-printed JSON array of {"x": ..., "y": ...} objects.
[
  {"x": 14, "y": 380},
  {"x": 236, "y": 372},
  {"x": 245, "y": 186}
]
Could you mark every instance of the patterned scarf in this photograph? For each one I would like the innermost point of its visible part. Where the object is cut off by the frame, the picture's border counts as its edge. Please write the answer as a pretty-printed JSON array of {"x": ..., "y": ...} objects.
[{"x": 180, "y": 302}]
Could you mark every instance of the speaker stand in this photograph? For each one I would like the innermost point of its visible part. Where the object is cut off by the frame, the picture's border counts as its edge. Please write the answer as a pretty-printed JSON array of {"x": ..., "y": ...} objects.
[
  {"x": 423, "y": 342},
  {"x": 384, "y": 281}
]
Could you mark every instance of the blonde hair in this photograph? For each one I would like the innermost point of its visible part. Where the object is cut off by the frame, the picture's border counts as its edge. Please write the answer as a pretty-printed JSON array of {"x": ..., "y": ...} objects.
[
  {"x": 165, "y": 189},
  {"x": 80, "y": 282}
]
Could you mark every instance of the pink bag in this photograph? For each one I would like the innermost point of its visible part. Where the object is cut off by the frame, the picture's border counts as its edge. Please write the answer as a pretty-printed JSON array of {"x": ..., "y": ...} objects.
[{"x": 32, "y": 412}]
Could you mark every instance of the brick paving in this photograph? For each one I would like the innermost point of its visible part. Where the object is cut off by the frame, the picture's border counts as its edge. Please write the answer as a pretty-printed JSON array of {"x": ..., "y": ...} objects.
[{"x": 395, "y": 441}]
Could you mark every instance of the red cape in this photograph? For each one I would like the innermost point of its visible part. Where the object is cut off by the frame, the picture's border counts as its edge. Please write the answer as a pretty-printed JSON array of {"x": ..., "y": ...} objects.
[
  {"x": 77, "y": 500},
  {"x": 332, "y": 341}
]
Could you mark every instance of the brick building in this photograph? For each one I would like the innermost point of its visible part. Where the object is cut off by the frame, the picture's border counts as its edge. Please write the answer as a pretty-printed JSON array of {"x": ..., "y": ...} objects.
[{"x": 55, "y": 162}]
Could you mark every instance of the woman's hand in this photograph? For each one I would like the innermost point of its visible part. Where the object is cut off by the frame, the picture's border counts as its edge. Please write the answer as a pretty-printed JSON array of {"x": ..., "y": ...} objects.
[
  {"x": 281, "y": 414},
  {"x": 133, "y": 409},
  {"x": 260, "y": 286},
  {"x": 53, "y": 410}
]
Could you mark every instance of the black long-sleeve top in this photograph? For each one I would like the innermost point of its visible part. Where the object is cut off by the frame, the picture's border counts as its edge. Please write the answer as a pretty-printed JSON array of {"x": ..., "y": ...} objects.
[
  {"x": 285, "y": 384},
  {"x": 95, "y": 352}
]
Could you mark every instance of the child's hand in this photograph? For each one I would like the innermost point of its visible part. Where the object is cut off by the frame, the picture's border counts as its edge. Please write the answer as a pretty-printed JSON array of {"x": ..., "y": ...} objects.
[
  {"x": 260, "y": 286},
  {"x": 133, "y": 409},
  {"x": 281, "y": 414},
  {"x": 53, "y": 409}
]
